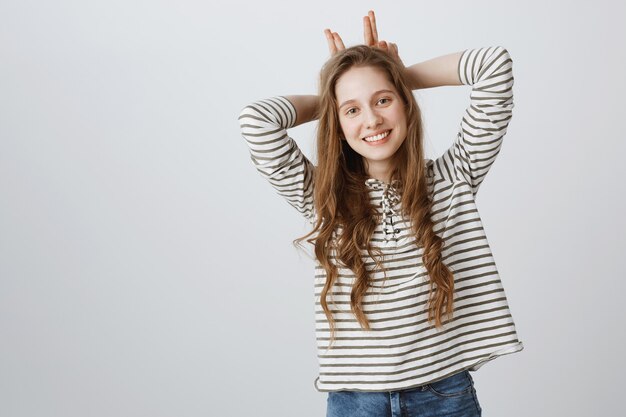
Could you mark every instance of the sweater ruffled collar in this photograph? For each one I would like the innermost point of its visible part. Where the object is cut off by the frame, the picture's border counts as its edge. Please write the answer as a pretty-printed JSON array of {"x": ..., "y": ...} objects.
[
  {"x": 389, "y": 200},
  {"x": 377, "y": 184}
]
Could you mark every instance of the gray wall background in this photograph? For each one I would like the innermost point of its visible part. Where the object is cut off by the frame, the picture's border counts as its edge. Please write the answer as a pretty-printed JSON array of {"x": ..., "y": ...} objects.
[{"x": 146, "y": 269}]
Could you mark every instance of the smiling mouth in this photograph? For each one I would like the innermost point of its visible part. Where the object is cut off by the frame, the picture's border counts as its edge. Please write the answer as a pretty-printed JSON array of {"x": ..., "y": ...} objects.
[{"x": 376, "y": 138}]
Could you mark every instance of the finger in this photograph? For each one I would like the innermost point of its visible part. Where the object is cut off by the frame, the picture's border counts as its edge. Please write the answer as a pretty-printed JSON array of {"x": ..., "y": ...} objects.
[
  {"x": 338, "y": 42},
  {"x": 396, "y": 55},
  {"x": 394, "y": 49},
  {"x": 331, "y": 41},
  {"x": 368, "y": 36},
  {"x": 372, "y": 18}
]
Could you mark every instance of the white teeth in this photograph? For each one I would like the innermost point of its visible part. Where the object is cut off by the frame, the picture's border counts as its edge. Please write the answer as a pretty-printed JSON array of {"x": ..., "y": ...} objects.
[{"x": 377, "y": 137}]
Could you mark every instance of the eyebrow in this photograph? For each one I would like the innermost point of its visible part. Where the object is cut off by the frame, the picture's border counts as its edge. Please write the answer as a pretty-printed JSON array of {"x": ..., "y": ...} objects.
[{"x": 375, "y": 94}]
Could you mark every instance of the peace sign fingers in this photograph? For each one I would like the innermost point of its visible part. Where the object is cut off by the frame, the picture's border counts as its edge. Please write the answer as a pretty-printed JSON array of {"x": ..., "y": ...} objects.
[
  {"x": 335, "y": 43},
  {"x": 370, "y": 32},
  {"x": 392, "y": 50}
]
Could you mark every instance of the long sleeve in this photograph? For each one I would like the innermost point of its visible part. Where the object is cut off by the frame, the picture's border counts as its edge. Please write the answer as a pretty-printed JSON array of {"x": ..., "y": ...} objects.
[
  {"x": 490, "y": 73},
  {"x": 275, "y": 154}
]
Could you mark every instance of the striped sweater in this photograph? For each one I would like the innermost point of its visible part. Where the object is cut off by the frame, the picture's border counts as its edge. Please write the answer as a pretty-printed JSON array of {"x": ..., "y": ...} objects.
[{"x": 402, "y": 350}]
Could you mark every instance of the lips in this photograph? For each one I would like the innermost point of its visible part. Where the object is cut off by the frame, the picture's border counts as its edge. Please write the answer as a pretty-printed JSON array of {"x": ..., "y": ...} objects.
[{"x": 377, "y": 136}]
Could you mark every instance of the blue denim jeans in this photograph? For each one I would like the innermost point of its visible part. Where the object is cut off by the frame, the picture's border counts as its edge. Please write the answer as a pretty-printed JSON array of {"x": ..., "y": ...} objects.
[{"x": 453, "y": 396}]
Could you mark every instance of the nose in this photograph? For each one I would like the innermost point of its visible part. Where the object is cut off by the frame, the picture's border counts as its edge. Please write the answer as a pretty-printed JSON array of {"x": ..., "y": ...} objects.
[{"x": 373, "y": 119}]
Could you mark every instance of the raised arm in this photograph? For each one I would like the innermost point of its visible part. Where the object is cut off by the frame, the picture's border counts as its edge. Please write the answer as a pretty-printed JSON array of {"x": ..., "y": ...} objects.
[
  {"x": 435, "y": 72},
  {"x": 306, "y": 108},
  {"x": 274, "y": 153},
  {"x": 490, "y": 73}
]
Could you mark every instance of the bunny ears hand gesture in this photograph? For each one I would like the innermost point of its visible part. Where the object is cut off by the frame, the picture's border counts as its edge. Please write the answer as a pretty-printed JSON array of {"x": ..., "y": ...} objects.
[{"x": 370, "y": 36}]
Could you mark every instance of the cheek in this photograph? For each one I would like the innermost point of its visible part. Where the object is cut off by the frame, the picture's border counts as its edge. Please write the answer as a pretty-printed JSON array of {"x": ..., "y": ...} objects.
[
  {"x": 401, "y": 121},
  {"x": 342, "y": 131},
  {"x": 348, "y": 129},
  {"x": 352, "y": 146}
]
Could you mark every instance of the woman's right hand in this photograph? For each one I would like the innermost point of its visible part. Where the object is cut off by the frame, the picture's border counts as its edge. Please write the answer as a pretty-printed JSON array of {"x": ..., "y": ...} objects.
[{"x": 335, "y": 44}]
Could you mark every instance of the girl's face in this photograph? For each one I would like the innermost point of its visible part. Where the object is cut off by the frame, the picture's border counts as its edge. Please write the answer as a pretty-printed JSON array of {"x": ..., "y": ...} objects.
[{"x": 371, "y": 114}]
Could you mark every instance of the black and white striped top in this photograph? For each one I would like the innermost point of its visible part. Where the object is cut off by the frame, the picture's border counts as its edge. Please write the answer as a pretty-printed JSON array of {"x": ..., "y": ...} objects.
[{"x": 403, "y": 350}]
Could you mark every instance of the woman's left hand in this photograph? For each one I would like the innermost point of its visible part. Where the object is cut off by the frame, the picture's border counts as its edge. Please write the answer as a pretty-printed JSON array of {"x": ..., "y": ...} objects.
[{"x": 370, "y": 35}]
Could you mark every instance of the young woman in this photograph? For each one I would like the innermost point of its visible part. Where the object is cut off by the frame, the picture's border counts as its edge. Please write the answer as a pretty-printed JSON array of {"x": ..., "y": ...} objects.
[{"x": 408, "y": 296}]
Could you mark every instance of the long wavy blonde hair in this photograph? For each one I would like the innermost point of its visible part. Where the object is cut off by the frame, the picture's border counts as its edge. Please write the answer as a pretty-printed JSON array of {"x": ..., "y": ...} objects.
[{"x": 342, "y": 199}]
